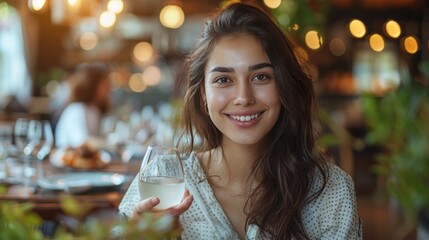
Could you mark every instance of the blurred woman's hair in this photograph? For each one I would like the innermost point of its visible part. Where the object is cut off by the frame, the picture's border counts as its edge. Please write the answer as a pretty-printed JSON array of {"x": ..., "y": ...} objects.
[{"x": 87, "y": 78}]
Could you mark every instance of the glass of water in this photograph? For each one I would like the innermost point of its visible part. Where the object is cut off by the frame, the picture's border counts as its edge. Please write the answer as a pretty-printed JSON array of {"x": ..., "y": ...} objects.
[{"x": 161, "y": 175}]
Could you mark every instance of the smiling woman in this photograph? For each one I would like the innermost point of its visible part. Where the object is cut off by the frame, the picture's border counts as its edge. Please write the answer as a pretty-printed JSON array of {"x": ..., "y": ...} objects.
[{"x": 258, "y": 173}]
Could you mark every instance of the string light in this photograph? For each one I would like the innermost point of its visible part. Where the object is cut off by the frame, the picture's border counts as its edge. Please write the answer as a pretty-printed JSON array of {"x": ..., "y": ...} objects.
[
  {"x": 411, "y": 45},
  {"x": 107, "y": 19},
  {"x": 115, "y": 6},
  {"x": 393, "y": 29},
  {"x": 313, "y": 40},
  {"x": 36, "y": 5},
  {"x": 172, "y": 16},
  {"x": 376, "y": 42},
  {"x": 357, "y": 28},
  {"x": 273, "y": 4}
]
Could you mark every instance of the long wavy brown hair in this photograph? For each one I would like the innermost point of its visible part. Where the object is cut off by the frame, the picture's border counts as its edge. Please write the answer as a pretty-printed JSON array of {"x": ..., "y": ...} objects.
[{"x": 291, "y": 160}]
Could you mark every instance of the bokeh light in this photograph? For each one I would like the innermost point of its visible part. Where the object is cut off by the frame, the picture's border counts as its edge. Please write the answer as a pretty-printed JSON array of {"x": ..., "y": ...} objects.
[
  {"x": 88, "y": 41},
  {"x": 393, "y": 29},
  {"x": 172, "y": 16},
  {"x": 152, "y": 75},
  {"x": 136, "y": 83},
  {"x": 337, "y": 47},
  {"x": 273, "y": 4},
  {"x": 36, "y": 5},
  {"x": 115, "y": 6},
  {"x": 357, "y": 28},
  {"x": 143, "y": 51},
  {"x": 313, "y": 39},
  {"x": 376, "y": 42},
  {"x": 107, "y": 19},
  {"x": 411, "y": 45}
]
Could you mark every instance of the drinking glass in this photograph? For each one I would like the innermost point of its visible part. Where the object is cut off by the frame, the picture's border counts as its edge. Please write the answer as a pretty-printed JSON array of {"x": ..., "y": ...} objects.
[
  {"x": 41, "y": 142},
  {"x": 21, "y": 134},
  {"x": 161, "y": 175},
  {"x": 5, "y": 145}
]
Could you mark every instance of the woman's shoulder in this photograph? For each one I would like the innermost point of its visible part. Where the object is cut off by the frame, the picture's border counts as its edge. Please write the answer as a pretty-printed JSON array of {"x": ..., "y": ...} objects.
[
  {"x": 338, "y": 176},
  {"x": 334, "y": 180},
  {"x": 75, "y": 107}
]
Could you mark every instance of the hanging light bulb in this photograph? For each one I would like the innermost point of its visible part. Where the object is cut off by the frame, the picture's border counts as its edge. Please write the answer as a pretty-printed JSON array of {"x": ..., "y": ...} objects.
[
  {"x": 115, "y": 6},
  {"x": 107, "y": 19},
  {"x": 36, "y": 5},
  {"x": 172, "y": 15}
]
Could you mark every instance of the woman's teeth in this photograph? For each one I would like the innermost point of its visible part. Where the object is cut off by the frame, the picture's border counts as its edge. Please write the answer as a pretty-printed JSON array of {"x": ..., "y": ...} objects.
[{"x": 245, "y": 118}]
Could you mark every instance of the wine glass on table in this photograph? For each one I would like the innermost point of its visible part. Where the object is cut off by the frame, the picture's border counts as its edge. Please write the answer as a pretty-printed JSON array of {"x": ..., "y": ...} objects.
[
  {"x": 161, "y": 175},
  {"x": 41, "y": 142},
  {"x": 22, "y": 143},
  {"x": 5, "y": 144},
  {"x": 21, "y": 134}
]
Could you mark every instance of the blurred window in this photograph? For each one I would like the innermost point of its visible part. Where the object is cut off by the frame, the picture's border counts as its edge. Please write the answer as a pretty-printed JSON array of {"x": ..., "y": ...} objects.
[{"x": 14, "y": 77}]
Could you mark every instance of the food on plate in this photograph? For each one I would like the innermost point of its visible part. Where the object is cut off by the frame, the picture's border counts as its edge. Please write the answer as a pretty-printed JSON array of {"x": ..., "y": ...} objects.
[{"x": 82, "y": 157}]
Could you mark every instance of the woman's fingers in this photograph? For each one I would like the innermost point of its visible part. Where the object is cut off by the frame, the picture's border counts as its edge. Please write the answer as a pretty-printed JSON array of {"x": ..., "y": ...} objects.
[
  {"x": 182, "y": 206},
  {"x": 148, "y": 204},
  {"x": 144, "y": 206}
]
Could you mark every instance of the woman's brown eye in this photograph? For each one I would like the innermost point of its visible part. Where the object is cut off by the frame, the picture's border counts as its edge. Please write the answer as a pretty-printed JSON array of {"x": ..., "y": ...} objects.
[
  {"x": 261, "y": 77},
  {"x": 221, "y": 80}
]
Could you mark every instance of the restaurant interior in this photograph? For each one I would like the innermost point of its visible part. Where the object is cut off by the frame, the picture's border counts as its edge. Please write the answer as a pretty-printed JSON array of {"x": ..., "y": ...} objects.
[{"x": 369, "y": 59}]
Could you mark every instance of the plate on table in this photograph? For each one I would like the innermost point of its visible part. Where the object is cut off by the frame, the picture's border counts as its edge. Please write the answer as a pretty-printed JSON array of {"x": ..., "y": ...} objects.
[
  {"x": 69, "y": 158},
  {"x": 81, "y": 181}
]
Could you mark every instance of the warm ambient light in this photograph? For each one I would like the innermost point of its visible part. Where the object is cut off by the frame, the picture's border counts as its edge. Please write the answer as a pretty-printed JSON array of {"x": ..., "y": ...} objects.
[
  {"x": 136, "y": 83},
  {"x": 411, "y": 45},
  {"x": 143, "y": 51},
  {"x": 172, "y": 16},
  {"x": 273, "y": 4},
  {"x": 72, "y": 2},
  {"x": 376, "y": 42},
  {"x": 337, "y": 47},
  {"x": 313, "y": 40},
  {"x": 152, "y": 75},
  {"x": 36, "y": 5},
  {"x": 357, "y": 28},
  {"x": 88, "y": 41},
  {"x": 107, "y": 19},
  {"x": 393, "y": 29},
  {"x": 115, "y": 6}
]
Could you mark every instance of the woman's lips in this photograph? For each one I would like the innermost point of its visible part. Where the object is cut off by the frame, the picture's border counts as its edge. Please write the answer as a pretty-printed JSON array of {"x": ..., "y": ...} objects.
[{"x": 245, "y": 120}]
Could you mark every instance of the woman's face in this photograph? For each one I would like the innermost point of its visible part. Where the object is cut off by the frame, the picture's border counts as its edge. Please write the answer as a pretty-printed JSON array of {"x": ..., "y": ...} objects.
[{"x": 240, "y": 90}]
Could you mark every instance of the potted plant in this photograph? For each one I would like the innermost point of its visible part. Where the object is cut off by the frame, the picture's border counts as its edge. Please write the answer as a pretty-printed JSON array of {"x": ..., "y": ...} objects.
[{"x": 399, "y": 123}]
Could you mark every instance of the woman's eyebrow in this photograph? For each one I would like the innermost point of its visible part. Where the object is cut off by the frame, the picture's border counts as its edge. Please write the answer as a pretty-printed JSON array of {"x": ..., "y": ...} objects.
[
  {"x": 260, "y": 65},
  {"x": 222, "y": 69},
  {"x": 252, "y": 67}
]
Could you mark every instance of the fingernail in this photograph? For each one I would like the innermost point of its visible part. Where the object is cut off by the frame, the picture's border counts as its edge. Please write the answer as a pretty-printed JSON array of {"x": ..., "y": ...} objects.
[
  {"x": 190, "y": 197},
  {"x": 154, "y": 200}
]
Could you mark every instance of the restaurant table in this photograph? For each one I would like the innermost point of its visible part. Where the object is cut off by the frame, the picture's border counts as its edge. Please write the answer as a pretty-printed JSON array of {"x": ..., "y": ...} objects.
[{"x": 47, "y": 203}]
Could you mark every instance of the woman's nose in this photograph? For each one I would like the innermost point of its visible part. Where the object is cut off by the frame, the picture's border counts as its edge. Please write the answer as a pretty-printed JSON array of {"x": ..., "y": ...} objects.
[{"x": 244, "y": 94}]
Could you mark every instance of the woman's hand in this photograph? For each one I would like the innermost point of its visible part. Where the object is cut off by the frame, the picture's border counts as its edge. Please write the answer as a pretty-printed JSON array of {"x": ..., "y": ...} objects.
[{"x": 148, "y": 204}]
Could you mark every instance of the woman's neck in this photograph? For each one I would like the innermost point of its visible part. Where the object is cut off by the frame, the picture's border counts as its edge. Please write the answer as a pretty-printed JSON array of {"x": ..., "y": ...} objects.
[{"x": 233, "y": 163}]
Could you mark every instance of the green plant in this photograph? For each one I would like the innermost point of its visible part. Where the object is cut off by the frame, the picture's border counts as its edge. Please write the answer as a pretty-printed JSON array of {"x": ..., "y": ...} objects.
[
  {"x": 18, "y": 221},
  {"x": 399, "y": 123}
]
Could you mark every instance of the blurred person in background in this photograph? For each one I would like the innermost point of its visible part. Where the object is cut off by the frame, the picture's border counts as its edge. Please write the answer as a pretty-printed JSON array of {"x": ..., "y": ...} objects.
[
  {"x": 88, "y": 102},
  {"x": 61, "y": 97}
]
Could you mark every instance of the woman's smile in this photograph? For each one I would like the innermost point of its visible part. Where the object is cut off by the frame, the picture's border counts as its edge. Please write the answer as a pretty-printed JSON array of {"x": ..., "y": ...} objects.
[{"x": 240, "y": 89}]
